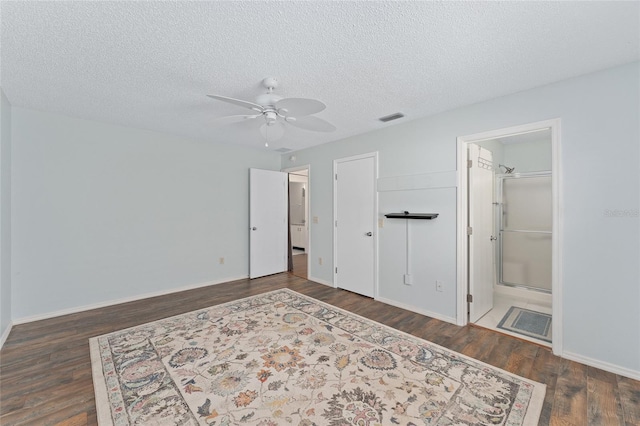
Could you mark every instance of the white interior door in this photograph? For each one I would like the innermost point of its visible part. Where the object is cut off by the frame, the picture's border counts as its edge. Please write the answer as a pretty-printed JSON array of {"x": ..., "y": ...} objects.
[
  {"x": 355, "y": 214},
  {"x": 268, "y": 231},
  {"x": 481, "y": 250}
]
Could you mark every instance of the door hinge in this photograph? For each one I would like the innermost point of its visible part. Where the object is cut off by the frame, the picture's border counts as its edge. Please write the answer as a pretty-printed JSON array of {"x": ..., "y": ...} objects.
[
  {"x": 336, "y": 176},
  {"x": 469, "y": 230},
  {"x": 336, "y": 269},
  {"x": 469, "y": 298},
  {"x": 469, "y": 164},
  {"x": 336, "y": 224}
]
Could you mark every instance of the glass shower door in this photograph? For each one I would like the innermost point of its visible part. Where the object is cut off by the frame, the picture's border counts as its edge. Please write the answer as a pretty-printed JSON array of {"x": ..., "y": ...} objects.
[{"x": 525, "y": 223}]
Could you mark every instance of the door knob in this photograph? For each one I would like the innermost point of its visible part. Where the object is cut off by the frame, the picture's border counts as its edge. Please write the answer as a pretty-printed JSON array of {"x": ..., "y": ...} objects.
[
  {"x": 493, "y": 238},
  {"x": 254, "y": 229},
  {"x": 368, "y": 234}
]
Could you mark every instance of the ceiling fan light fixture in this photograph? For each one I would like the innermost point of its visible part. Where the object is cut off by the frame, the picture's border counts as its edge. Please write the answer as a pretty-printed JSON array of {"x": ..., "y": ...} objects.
[
  {"x": 277, "y": 111},
  {"x": 270, "y": 117}
]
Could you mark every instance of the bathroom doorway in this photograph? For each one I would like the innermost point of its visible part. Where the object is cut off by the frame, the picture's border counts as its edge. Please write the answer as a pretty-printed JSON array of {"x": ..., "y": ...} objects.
[{"x": 511, "y": 209}]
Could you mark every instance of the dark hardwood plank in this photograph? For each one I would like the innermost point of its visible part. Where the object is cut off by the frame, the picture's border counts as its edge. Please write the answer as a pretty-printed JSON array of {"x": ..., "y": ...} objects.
[
  {"x": 480, "y": 347},
  {"x": 45, "y": 366},
  {"x": 603, "y": 399},
  {"x": 79, "y": 420},
  {"x": 545, "y": 370},
  {"x": 570, "y": 402},
  {"x": 300, "y": 265},
  {"x": 630, "y": 397}
]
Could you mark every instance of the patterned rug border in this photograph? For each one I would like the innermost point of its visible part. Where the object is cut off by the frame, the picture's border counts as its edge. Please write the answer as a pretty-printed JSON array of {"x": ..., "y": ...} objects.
[{"x": 103, "y": 411}]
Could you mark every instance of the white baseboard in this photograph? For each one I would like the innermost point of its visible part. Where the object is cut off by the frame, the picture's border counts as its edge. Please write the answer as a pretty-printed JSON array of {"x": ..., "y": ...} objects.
[
  {"x": 426, "y": 313},
  {"x": 4, "y": 336},
  {"x": 319, "y": 281},
  {"x": 74, "y": 310},
  {"x": 612, "y": 368}
]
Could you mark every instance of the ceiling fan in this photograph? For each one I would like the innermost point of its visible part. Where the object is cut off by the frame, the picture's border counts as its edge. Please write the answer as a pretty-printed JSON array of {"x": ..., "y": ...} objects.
[{"x": 273, "y": 111}]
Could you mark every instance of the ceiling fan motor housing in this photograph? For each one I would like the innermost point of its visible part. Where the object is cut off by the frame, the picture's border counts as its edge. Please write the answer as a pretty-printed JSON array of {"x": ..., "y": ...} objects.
[{"x": 268, "y": 99}]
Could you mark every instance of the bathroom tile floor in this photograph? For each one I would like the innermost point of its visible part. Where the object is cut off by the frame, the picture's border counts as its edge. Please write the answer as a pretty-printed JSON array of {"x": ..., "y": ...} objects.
[{"x": 501, "y": 304}]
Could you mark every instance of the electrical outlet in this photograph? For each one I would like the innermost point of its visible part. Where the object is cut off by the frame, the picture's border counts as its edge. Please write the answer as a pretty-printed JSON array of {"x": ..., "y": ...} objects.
[
  {"x": 380, "y": 223},
  {"x": 319, "y": 261},
  {"x": 408, "y": 279},
  {"x": 221, "y": 261},
  {"x": 438, "y": 285},
  {"x": 315, "y": 219}
]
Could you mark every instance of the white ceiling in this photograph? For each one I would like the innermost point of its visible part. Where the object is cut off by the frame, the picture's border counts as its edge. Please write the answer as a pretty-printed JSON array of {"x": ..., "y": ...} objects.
[{"x": 150, "y": 64}]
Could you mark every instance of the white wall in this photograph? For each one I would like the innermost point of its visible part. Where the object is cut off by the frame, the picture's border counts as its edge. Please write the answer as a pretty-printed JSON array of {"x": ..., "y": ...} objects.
[
  {"x": 533, "y": 156},
  {"x": 102, "y": 212},
  {"x": 497, "y": 152},
  {"x": 5, "y": 215},
  {"x": 526, "y": 157},
  {"x": 600, "y": 172}
]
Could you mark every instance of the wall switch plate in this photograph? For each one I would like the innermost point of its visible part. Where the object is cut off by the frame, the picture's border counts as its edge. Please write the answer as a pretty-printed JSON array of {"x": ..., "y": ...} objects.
[
  {"x": 315, "y": 219},
  {"x": 439, "y": 286},
  {"x": 319, "y": 261},
  {"x": 380, "y": 223},
  {"x": 408, "y": 279},
  {"x": 221, "y": 261}
]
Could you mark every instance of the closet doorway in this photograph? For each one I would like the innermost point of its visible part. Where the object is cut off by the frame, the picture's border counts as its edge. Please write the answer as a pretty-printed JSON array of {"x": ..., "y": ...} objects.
[
  {"x": 299, "y": 221},
  {"x": 510, "y": 215}
]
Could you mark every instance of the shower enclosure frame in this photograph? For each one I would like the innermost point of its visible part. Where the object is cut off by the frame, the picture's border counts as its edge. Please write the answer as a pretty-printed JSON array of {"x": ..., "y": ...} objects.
[{"x": 500, "y": 229}]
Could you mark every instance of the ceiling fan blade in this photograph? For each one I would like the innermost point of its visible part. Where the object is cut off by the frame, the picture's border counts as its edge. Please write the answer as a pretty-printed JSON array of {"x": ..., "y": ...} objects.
[
  {"x": 244, "y": 104},
  {"x": 231, "y": 119},
  {"x": 312, "y": 123},
  {"x": 298, "y": 107},
  {"x": 273, "y": 132}
]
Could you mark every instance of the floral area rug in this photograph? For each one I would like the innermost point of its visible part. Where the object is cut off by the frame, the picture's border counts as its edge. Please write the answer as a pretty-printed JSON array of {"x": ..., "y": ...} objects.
[{"x": 281, "y": 358}]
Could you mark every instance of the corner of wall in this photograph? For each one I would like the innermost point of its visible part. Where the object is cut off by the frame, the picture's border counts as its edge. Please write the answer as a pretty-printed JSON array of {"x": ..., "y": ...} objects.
[
  {"x": 5, "y": 218},
  {"x": 5, "y": 334}
]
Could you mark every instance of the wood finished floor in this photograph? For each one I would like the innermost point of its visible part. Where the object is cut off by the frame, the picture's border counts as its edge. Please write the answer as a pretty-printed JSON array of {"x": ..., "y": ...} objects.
[
  {"x": 45, "y": 367},
  {"x": 300, "y": 265}
]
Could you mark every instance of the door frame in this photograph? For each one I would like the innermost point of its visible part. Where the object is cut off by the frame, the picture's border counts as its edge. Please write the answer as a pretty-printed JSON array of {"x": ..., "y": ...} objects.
[
  {"x": 462, "y": 317},
  {"x": 374, "y": 219},
  {"x": 306, "y": 167}
]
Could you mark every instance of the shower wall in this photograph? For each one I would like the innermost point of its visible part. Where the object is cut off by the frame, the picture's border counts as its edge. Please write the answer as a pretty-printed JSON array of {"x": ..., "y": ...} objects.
[{"x": 528, "y": 156}]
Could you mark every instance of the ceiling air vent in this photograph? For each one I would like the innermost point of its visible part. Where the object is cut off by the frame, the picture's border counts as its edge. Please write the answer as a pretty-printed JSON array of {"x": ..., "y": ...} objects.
[
  {"x": 283, "y": 150},
  {"x": 391, "y": 117}
]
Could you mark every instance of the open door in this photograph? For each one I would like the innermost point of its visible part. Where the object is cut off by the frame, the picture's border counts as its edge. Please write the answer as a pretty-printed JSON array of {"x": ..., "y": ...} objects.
[
  {"x": 268, "y": 231},
  {"x": 481, "y": 276}
]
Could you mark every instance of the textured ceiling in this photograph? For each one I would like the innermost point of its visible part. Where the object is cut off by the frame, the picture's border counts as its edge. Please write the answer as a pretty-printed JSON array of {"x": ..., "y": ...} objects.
[{"x": 150, "y": 64}]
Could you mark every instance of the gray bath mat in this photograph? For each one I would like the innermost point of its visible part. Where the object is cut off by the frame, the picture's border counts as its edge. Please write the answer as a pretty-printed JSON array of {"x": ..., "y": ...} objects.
[{"x": 528, "y": 323}]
